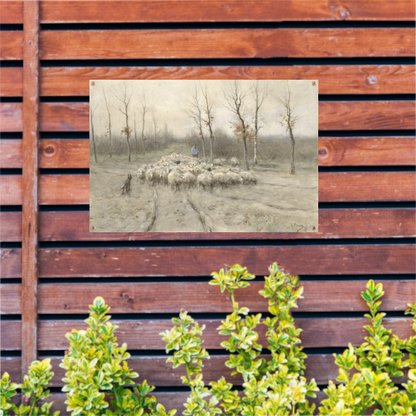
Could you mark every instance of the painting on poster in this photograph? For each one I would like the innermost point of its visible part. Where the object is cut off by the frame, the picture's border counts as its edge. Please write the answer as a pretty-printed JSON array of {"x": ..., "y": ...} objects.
[{"x": 204, "y": 156}]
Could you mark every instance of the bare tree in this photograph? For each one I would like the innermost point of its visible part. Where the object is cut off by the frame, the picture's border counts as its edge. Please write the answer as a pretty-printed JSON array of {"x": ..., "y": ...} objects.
[
  {"x": 124, "y": 96},
  {"x": 135, "y": 132},
  {"x": 208, "y": 117},
  {"x": 144, "y": 111},
  {"x": 195, "y": 111},
  {"x": 260, "y": 93},
  {"x": 109, "y": 120},
  {"x": 289, "y": 120},
  {"x": 92, "y": 111},
  {"x": 155, "y": 130},
  {"x": 236, "y": 102}
]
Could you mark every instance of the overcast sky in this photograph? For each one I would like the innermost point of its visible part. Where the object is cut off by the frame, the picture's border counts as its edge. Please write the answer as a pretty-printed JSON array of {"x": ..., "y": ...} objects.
[{"x": 169, "y": 102}]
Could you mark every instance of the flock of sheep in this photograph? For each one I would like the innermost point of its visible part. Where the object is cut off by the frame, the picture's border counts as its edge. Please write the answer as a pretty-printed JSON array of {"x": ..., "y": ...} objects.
[{"x": 179, "y": 170}]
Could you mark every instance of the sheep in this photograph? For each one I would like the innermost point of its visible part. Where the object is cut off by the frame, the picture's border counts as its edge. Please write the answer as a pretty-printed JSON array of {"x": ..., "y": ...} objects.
[
  {"x": 157, "y": 176},
  {"x": 220, "y": 179},
  {"x": 234, "y": 178},
  {"x": 248, "y": 178},
  {"x": 217, "y": 162},
  {"x": 189, "y": 179},
  {"x": 175, "y": 179},
  {"x": 234, "y": 161},
  {"x": 165, "y": 174},
  {"x": 141, "y": 174},
  {"x": 205, "y": 180},
  {"x": 150, "y": 177}
]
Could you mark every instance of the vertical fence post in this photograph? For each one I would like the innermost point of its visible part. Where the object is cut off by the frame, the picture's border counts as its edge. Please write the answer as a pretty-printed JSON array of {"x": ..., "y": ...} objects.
[{"x": 30, "y": 182}]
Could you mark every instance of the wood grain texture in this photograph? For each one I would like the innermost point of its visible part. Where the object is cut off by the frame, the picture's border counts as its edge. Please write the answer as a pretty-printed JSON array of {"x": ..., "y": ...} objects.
[
  {"x": 11, "y": 153},
  {"x": 11, "y": 263},
  {"x": 340, "y": 79},
  {"x": 11, "y": 188},
  {"x": 333, "y": 115},
  {"x": 333, "y": 187},
  {"x": 30, "y": 180},
  {"x": 11, "y": 48},
  {"x": 224, "y": 11},
  {"x": 226, "y": 43},
  {"x": 11, "y": 299},
  {"x": 201, "y": 261},
  {"x": 11, "y": 226},
  {"x": 11, "y": 79},
  {"x": 333, "y": 223},
  {"x": 201, "y": 297},
  {"x": 11, "y": 336},
  {"x": 144, "y": 334},
  {"x": 333, "y": 151},
  {"x": 367, "y": 151},
  {"x": 11, "y": 117},
  {"x": 11, "y": 12}
]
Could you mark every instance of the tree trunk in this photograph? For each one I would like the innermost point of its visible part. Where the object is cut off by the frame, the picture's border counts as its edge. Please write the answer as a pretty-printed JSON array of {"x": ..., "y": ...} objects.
[
  {"x": 292, "y": 158},
  {"x": 93, "y": 141},
  {"x": 128, "y": 134},
  {"x": 246, "y": 167},
  {"x": 255, "y": 151},
  {"x": 109, "y": 135}
]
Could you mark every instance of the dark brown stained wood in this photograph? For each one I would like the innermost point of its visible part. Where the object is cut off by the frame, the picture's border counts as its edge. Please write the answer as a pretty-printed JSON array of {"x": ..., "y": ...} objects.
[
  {"x": 11, "y": 117},
  {"x": 11, "y": 79},
  {"x": 367, "y": 151},
  {"x": 341, "y": 79},
  {"x": 11, "y": 226},
  {"x": 11, "y": 336},
  {"x": 144, "y": 334},
  {"x": 11, "y": 295},
  {"x": 333, "y": 115},
  {"x": 333, "y": 186},
  {"x": 157, "y": 372},
  {"x": 30, "y": 181},
  {"x": 11, "y": 12},
  {"x": 12, "y": 366},
  {"x": 11, "y": 48},
  {"x": 224, "y": 11},
  {"x": 333, "y": 223},
  {"x": 366, "y": 115},
  {"x": 342, "y": 151},
  {"x": 366, "y": 186},
  {"x": 11, "y": 263},
  {"x": 10, "y": 153},
  {"x": 64, "y": 153},
  {"x": 319, "y": 296},
  {"x": 202, "y": 261},
  {"x": 11, "y": 189},
  {"x": 226, "y": 43}
]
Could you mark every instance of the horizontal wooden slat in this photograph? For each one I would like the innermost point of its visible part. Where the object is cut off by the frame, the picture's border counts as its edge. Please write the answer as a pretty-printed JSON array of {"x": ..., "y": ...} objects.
[
  {"x": 11, "y": 117},
  {"x": 144, "y": 334},
  {"x": 11, "y": 263},
  {"x": 367, "y": 151},
  {"x": 11, "y": 226},
  {"x": 225, "y": 43},
  {"x": 10, "y": 153},
  {"x": 11, "y": 45},
  {"x": 319, "y": 296},
  {"x": 11, "y": 12},
  {"x": 336, "y": 223},
  {"x": 343, "y": 151},
  {"x": 11, "y": 299},
  {"x": 11, "y": 80},
  {"x": 333, "y": 187},
  {"x": 11, "y": 189},
  {"x": 333, "y": 115},
  {"x": 333, "y": 223},
  {"x": 11, "y": 335},
  {"x": 224, "y": 11},
  {"x": 340, "y": 79},
  {"x": 201, "y": 261}
]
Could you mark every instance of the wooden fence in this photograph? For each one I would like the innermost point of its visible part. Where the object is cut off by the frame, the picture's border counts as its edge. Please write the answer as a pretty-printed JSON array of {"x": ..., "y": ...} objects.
[{"x": 52, "y": 267}]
